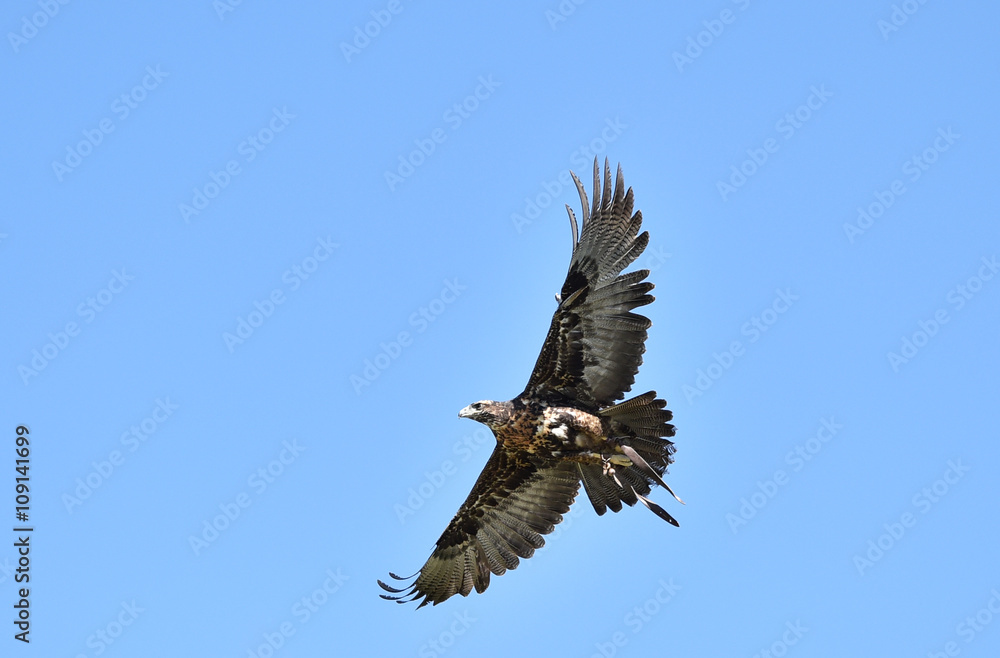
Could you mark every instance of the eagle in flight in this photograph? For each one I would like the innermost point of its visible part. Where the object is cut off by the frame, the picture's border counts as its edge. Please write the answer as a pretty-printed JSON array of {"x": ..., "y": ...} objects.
[{"x": 567, "y": 426}]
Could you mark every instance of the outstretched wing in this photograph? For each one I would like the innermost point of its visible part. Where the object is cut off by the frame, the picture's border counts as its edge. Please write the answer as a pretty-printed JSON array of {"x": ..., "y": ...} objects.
[
  {"x": 513, "y": 503},
  {"x": 595, "y": 343}
]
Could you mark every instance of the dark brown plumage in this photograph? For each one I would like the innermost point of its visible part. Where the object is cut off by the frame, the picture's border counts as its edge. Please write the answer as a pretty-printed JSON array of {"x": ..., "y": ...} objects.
[{"x": 565, "y": 427}]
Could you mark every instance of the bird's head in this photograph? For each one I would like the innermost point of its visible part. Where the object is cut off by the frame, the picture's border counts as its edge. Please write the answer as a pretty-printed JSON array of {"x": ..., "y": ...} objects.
[{"x": 487, "y": 412}]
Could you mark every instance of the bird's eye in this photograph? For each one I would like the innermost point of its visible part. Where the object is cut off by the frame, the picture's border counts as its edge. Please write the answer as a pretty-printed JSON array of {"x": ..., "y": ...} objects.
[{"x": 477, "y": 406}]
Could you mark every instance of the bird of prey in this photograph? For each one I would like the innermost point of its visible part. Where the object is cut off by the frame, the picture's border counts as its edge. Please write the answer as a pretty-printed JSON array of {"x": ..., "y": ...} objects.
[{"x": 566, "y": 427}]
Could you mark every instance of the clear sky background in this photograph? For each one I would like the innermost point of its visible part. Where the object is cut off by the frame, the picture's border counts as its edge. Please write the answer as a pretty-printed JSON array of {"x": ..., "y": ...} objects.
[{"x": 217, "y": 224}]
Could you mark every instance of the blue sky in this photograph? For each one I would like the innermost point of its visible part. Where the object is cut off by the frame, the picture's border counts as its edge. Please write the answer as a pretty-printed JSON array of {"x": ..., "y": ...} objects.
[{"x": 256, "y": 257}]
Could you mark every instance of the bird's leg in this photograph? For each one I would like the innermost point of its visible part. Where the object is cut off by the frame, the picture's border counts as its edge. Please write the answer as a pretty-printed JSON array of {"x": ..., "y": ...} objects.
[{"x": 609, "y": 470}]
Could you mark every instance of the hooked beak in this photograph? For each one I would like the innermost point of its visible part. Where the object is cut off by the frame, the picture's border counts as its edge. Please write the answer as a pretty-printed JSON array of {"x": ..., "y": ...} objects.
[{"x": 466, "y": 412}]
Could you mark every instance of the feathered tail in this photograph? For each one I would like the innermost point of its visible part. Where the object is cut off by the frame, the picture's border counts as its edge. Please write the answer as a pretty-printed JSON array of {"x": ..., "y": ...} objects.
[{"x": 639, "y": 426}]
